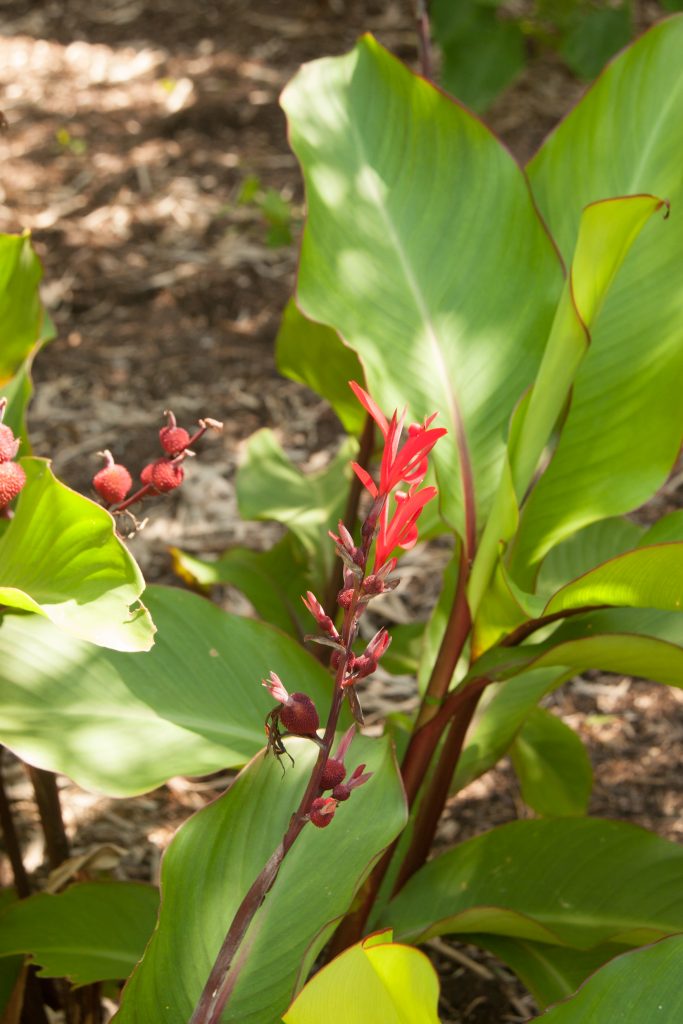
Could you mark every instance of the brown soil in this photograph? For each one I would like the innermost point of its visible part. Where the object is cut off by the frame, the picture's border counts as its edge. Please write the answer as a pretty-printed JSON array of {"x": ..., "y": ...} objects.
[{"x": 132, "y": 128}]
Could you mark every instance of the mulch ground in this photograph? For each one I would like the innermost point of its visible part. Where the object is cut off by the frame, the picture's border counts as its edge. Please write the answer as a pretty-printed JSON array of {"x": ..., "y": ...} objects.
[{"x": 133, "y": 127}]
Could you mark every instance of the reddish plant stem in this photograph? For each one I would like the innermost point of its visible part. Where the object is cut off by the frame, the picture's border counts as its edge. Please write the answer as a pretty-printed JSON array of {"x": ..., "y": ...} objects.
[
  {"x": 353, "y": 926},
  {"x": 227, "y": 966},
  {"x": 451, "y": 647},
  {"x": 434, "y": 714},
  {"x": 435, "y": 798},
  {"x": 49, "y": 808}
]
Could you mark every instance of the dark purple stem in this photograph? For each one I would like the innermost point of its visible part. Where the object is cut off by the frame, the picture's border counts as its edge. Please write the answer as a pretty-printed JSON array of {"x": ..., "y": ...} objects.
[{"x": 228, "y": 964}]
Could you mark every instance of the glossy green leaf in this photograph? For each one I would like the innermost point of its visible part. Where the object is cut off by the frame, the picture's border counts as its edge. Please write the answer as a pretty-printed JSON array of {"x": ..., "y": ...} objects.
[
  {"x": 606, "y": 234},
  {"x": 124, "y": 723},
  {"x": 404, "y": 256},
  {"x": 61, "y": 558},
  {"x": 649, "y": 577},
  {"x": 644, "y": 985},
  {"x": 216, "y": 856},
  {"x": 623, "y": 645},
  {"x": 584, "y": 550},
  {"x": 375, "y": 979},
  {"x": 21, "y": 313},
  {"x": 579, "y": 882},
  {"x": 315, "y": 355},
  {"x": 623, "y": 430},
  {"x": 273, "y": 581},
  {"x": 502, "y": 715},
  {"x": 552, "y": 766},
  {"x": 482, "y": 52},
  {"x": 594, "y": 35},
  {"x": 269, "y": 486},
  {"x": 668, "y": 528},
  {"x": 549, "y": 972},
  {"x": 92, "y": 931}
]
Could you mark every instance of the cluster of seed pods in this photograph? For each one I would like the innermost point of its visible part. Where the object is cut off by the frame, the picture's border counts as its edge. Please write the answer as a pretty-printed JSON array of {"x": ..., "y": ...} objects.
[
  {"x": 114, "y": 482},
  {"x": 12, "y": 475}
]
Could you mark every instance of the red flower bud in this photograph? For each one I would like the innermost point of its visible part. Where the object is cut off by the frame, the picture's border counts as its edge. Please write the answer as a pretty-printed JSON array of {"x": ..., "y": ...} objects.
[
  {"x": 345, "y": 597},
  {"x": 322, "y": 811},
  {"x": 341, "y": 792}
]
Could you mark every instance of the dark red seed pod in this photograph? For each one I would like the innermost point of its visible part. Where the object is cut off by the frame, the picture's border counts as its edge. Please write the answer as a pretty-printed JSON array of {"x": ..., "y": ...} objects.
[
  {"x": 299, "y": 715},
  {"x": 322, "y": 811},
  {"x": 341, "y": 792},
  {"x": 344, "y": 598},
  {"x": 334, "y": 772},
  {"x": 174, "y": 440}
]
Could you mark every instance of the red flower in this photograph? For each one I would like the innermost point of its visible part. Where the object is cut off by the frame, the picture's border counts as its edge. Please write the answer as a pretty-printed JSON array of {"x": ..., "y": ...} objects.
[
  {"x": 401, "y": 529},
  {"x": 407, "y": 464}
]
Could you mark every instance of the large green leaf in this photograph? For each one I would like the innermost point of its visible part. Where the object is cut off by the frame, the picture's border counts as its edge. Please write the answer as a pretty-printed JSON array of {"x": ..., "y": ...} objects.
[
  {"x": 552, "y": 766},
  {"x": 272, "y": 580},
  {"x": 649, "y": 577},
  {"x": 549, "y": 972},
  {"x": 584, "y": 550},
  {"x": 644, "y": 985},
  {"x": 60, "y": 557},
  {"x": 500, "y": 719},
  {"x": 632, "y": 644},
  {"x": 376, "y": 979},
  {"x": 623, "y": 430},
  {"x": 269, "y": 486},
  {"x": 124, "y": 723},
  {"x": 93, "y": 931},
  {"x": 315, "y": 355},
  {"x": 607, "y": 232},
  {"x": 579, "y": 882},
  {"x": 21, "y": 313},
  {"x": 215, "y": 858},
  {"x": 424, "y": 251}
]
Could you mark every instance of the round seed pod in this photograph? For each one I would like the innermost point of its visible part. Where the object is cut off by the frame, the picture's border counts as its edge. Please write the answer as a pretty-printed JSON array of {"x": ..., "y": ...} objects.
[
  {"x": 334, "y": 772},
  {"x": 299, "y": 715}
]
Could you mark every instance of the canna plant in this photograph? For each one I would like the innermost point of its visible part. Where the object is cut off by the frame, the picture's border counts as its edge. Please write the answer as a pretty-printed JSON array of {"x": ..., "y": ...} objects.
[{"x": 539, "y": 314}]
